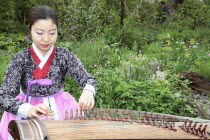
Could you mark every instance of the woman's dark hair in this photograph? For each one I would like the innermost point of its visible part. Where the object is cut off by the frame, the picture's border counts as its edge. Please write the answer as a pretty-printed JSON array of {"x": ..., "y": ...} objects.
[{"x": 41, "y": 12}]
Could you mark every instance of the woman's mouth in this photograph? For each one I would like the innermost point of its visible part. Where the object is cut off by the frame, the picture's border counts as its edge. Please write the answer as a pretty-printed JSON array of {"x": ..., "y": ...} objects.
[{"x": 45, "y": 45}]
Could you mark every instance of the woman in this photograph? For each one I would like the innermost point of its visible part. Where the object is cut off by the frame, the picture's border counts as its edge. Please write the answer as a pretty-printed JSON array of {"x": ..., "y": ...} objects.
[{"x": 39, "y": 72}]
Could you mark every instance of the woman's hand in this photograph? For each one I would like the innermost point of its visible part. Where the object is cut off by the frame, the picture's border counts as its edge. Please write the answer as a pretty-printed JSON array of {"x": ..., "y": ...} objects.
[
  {"x": 86, "y": 100},
  {"x": 39, "y": 110}
]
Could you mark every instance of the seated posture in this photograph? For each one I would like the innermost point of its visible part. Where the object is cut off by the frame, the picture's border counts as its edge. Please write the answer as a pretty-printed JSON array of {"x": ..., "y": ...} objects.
[{"x": 34, "y": 81}]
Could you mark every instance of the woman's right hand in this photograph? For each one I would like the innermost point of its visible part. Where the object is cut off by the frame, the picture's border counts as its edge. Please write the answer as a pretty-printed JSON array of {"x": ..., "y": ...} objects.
[{"x": 40, "y": 109}]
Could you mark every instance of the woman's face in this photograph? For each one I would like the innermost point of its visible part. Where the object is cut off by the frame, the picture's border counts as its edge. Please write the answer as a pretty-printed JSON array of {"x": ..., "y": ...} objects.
[{"x": 44, "y": 34}]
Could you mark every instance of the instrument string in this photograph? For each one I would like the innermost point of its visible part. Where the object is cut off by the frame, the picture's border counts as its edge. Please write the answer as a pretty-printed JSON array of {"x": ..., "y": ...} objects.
[{"x": 103, "y": 120}]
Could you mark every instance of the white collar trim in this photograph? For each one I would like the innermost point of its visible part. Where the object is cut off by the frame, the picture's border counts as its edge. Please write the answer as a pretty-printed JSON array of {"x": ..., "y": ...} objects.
[{"x": 42, "y": 58}]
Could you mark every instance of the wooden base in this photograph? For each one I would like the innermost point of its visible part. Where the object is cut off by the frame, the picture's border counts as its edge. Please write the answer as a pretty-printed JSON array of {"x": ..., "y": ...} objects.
[{"x": 93, "y": 129}]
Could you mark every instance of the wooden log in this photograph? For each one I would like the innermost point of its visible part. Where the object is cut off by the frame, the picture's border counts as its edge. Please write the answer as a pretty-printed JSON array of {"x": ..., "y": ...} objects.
[{"x": 197, "y": 81}]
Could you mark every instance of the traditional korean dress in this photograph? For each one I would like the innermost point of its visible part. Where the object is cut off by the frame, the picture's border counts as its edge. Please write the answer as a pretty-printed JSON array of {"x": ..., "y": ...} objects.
[{"x": 41, "y": 80}]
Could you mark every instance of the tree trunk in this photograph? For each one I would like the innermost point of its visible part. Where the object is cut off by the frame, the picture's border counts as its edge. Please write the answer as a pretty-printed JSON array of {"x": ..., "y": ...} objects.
[{"x": 122, "y": 16}]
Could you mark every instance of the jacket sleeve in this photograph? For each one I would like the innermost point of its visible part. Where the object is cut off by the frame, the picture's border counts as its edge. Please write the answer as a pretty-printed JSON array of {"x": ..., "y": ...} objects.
[
  {"x": 78, "y": 72},
  {"x": 10, "y": 87}
]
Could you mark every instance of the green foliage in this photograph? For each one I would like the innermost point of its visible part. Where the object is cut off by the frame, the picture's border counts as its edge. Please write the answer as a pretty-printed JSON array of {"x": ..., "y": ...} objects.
[
  {"x": 7, "y": 17},
  {"x": 5, "y": 57},
  {"x": 175, "y": 53},
  {"x": 202, "y": 66},
  {"x": 193, "y": 14},
  {"x": 118, "y": 56},
  {"x": 133, "y": 31},
  {"x": 116, "y": 90},
  {"x": 112, "y": 31},
  {"x": 9, "y": 45},
  {"x": 12, "y": 42},
  {"x": 125, "y": 81},
  {"x": 81, "y": 19}
]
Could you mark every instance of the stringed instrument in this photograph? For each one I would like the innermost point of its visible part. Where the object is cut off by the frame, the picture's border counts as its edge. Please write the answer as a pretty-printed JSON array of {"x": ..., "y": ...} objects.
[{"x": 110, "y": 124}]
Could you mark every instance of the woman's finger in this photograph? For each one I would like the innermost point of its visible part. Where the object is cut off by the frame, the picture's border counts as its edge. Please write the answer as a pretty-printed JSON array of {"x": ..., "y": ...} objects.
[
  {"x": 40, "y": 110},
  {"x": 34, "y": 114},
  {"x": 81, "y": 102},
  {"x": 92, "y": 104},
  {"x": 44, "y": 107},
  {"x": 86, "y": 100},
  {"x": 88, "y": 104}
]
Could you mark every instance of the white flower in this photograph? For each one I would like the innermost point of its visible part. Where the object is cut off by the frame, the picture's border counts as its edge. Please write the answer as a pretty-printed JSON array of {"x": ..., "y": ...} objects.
[
  {"x": 195, "y": 46},
  {"x": 158, "y": 74}
]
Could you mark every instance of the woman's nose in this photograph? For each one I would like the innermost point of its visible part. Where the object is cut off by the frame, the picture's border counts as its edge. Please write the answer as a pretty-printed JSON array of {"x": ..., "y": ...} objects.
[{"x": 46, "y": 38}]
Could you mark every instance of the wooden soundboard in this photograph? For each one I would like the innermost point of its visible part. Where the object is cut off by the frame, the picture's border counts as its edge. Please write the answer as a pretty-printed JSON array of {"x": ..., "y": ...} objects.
[{"x": 110, "y": 124}]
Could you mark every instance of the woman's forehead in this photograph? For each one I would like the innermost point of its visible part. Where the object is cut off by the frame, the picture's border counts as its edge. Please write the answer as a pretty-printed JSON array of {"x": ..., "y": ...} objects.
[{"x": 43, "y": 24}]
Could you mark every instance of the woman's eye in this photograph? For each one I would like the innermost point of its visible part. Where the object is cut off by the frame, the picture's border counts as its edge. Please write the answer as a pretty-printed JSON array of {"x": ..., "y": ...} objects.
[
  {"x": 39, "y": 33},
  {"x": 52, "y": 33}
]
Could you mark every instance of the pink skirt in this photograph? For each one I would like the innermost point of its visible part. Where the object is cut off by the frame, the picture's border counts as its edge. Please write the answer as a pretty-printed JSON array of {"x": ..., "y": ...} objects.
[{"x": 63, "y": 101}]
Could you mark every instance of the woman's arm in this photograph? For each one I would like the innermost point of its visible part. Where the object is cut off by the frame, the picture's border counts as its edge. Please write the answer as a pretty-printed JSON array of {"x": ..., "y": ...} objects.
[
  {"x": 10, "y": 87},
  {"x": 84, "y": 79}
]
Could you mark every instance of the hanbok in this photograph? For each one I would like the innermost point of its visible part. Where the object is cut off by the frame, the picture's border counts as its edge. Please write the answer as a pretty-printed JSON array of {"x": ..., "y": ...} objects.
[{"x": 33, "y": 79}]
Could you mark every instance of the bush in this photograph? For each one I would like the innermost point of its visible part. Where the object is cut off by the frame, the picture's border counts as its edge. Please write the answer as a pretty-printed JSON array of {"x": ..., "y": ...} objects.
[
  {"x": 13, "y": 42},
  {"x": 125, "y": 81}
]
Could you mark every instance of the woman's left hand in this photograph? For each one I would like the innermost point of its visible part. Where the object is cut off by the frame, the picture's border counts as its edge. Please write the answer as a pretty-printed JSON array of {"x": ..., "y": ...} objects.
[{"x": 86, "y": 100}]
